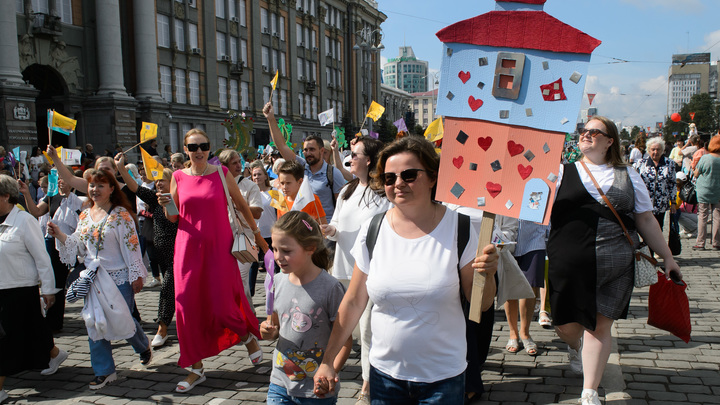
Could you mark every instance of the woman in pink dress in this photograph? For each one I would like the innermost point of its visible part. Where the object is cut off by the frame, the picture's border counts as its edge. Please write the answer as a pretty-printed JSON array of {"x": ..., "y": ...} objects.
[{"x": 213, "y": 313}]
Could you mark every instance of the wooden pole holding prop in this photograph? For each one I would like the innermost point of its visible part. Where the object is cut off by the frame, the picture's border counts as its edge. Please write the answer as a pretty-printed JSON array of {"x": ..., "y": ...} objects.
[{"x": 478, "y": 285}]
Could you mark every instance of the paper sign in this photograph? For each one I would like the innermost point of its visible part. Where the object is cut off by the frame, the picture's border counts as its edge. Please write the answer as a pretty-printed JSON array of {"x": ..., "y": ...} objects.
[
  {"x": 71, "y": 157},
  {"x": 494, "y": 167}
]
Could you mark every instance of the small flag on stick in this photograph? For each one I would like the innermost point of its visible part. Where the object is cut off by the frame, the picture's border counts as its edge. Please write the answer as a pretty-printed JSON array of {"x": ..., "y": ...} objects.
[{"x": 153, "y": 169}]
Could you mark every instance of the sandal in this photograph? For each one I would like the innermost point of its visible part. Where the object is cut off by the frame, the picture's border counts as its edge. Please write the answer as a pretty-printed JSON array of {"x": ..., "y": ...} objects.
[
  {"x": 255, "y": 357},
  {"x": 699, "y": 247},
  {"x": 512, "y": 346},
  {"x": 184, "y": 386},
  {"x": 544, "y": 320},
  {"x": 530, "y": 346}
]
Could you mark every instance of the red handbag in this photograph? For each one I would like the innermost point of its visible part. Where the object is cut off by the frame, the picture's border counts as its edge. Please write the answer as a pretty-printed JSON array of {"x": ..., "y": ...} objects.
[{"x": 668, "y": 307}]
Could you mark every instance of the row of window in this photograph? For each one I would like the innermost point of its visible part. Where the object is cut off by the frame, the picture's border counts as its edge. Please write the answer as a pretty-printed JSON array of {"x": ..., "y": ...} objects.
[
  {"x": 271, "y": 23},
  {"x": 62, "y": 7},
  {"x": 187, "y": 85},
  {"x": 163, "y": 33},
  {"x": 236, "y": 10}
]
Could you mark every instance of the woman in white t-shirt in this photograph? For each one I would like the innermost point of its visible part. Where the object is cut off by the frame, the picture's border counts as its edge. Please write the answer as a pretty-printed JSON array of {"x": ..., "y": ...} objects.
[
  {"x": 413, "y": 282},
  {"x": 356, "y": 203},
  {"x": 269, "y": 214}
]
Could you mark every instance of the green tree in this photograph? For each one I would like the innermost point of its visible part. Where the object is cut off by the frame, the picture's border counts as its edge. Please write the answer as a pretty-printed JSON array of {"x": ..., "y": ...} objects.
[
  {"x": 410, "y": 121},
  {"x": 624, "y": 134},
  {"x": 634, "y": 132},
  {"x": 386, "y": 131},
  {"x": 418, "y": 130},
  {"x": 707, "y": 117}
]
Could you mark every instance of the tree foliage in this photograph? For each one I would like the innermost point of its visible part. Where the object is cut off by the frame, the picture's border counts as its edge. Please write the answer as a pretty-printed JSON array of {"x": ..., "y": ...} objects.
[{"x": 707, "y": 117}]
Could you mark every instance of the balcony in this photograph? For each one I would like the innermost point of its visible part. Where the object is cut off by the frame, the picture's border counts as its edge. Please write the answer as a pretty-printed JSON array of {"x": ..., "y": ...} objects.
[{"x": 46, "y": 24}]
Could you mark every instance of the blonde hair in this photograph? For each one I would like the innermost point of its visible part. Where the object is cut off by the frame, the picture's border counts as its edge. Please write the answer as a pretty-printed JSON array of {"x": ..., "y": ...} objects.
[
  {"x": 303, "y": 228},
  {"x": 195, "y": 131}
]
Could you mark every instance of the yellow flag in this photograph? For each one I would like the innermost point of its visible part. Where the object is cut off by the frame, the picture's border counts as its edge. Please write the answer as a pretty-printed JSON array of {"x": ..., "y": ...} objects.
[
  {"x": 375, "y": 111},
  {"x": 434, "y": 131},
  {"x": 148, "y": 131},
  {"x": 59, "y": 152},
  {"x": 153, "y": 169},
  {"x": 60, "y": 123},
  {"x": 275, "y": 79},
  {"x": 278, "y": 200}
]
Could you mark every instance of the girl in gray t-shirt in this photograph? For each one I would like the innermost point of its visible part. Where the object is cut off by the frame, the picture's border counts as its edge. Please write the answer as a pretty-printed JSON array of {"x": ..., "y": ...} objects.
[{"x": 306, "y": 303}]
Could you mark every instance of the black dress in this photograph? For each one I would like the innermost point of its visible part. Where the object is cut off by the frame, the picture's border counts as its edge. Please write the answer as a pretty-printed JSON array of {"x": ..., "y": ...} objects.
[{"x": 591, "y": 266}]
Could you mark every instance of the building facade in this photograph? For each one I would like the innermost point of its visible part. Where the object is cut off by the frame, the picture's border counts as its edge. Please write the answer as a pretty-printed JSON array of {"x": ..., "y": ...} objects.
[
  {"x": 112, "y": 64},
  {"x": 395, "y": 101},
  {"x": 424, "y": 105},
  {"x": 690, "y": 74},
  {"x": 406, "y": 72}
]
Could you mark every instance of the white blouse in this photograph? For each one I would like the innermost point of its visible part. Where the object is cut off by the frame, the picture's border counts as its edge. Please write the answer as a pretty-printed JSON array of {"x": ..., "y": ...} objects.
[{"x": 118, "y": 250}]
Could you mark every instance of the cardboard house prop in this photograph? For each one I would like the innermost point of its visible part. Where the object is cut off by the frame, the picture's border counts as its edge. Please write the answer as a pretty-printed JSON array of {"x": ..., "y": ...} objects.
[{"x": 513, "y": 80}]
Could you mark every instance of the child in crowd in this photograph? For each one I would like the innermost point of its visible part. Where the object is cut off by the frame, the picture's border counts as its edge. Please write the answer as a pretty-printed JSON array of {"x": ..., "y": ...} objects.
[
  {"x": 290, "y": 178},
  {"x": 306, "y": 304}
]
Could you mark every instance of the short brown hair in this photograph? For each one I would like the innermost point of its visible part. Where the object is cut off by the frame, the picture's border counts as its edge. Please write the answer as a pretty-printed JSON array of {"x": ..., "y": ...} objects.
[
  {"x": 613, "y": 156},
  {"x": 418, "y": 146},
  {"x": 293, "y": 168},
  {"x": 195, "y": 131}
]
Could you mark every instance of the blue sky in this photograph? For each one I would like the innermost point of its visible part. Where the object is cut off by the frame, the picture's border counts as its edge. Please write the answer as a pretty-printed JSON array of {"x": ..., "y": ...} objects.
[{"x": 644, "y": 32}]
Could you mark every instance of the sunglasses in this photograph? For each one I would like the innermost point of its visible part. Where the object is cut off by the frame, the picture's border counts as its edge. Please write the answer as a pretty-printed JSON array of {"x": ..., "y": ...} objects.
[
  {"x": 192, "y": 147},
  {"x": 408, "y": 176},
  {"x": 354, "y": 155},
  {"x": 594, "y": 132}
]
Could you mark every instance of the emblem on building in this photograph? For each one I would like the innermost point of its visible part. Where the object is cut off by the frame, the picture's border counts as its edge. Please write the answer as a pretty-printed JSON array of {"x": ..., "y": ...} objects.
[{"x": 21, "y": 112}]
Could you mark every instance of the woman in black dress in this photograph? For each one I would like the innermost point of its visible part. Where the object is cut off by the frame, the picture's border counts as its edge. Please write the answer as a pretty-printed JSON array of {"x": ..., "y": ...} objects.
[{"x": 591, "y": 261}]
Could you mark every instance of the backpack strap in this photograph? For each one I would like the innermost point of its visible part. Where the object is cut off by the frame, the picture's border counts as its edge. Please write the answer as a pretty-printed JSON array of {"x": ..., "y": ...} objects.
[
  {"x": 330, "y": 174},
  {"x": 463, "y": 235},
  {"x": 373, "y": 232}
]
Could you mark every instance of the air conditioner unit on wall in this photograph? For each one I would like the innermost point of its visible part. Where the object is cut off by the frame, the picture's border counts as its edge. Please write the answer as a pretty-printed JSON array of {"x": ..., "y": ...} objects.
[
  {"x": 234, "y": 19},
  {"x": 225, "y": 58},
  {"x": 264, "y": 68},
  {"x": 196, "y": 51},
  {"x": 265, "y": 30}
]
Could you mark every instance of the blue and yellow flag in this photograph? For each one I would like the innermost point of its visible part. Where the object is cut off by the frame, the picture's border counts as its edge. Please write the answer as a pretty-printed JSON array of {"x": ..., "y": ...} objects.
[{"x": 60, "y": 123}]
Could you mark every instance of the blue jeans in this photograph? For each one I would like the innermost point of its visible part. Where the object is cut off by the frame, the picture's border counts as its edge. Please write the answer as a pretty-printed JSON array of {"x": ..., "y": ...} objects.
[
  {"x": 278, "y": 395},
  {"x": 385, "y": 390},
  {"x": 101, "y": 350}
]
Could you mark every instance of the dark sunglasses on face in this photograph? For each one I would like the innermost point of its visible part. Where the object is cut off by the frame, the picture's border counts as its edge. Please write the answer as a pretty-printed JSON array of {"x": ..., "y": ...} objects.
[
  {"x": 408, "y": 176},
  {"x": 593, "y": 132},
  {"x": 192, "y": 147}
]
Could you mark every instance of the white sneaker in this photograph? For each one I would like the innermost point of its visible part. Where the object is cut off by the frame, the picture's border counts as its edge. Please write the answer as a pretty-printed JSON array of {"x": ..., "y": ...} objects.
[
  {"x": 55, "y": 363},
  {"x": 575, "y": 357},
  {"x": 158, "y": 340},
  {"x": 589, "y": 397},
  {"x": 152, "y": 283},
  {"x": 3, "y": 395}
]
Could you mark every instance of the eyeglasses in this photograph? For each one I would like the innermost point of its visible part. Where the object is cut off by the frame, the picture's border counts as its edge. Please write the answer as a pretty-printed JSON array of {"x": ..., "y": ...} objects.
[
  {"x": 408, "y": 176},
  {"x": 353, "y": 155},
  {"x": 594, "y": 132},
  {"x": 192, "y": 147}
]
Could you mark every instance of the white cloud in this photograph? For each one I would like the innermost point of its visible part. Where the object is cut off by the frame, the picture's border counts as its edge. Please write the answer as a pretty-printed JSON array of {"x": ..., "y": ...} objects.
[
  {"x": 643, "y": 103},
  {"x": 712, "y": 44},
  {"x": 686, "y": 6}
]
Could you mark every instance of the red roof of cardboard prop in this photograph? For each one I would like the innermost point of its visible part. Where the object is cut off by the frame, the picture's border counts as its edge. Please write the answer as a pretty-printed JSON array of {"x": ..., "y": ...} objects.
[
  {"x": 519, "y": 29},
  {"x": 522, "y": 1}
]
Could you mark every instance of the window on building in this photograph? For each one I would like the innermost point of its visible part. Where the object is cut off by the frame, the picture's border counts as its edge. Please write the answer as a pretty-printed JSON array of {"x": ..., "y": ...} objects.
[
  {"x": 232, "y": 12},
  {"x": 173, "y": 128},
  {"x": 283, "y": 102},
  {"x": 233, "y": 49},
  {"x": 283, "y": 69},
  {"x": 193, "y": 35},
  {"x": 233, "y": 94},
  {"x": 180, "y": 34},
  {"x": 299, "y": 34},
  {"x": 242, "y": 13},
  {"x": 273, "y": 24},
  {"x": 64, "y": 9},
  {"x": 313, "y": 39},
  {"x": 282, "y": 28},
  {"x": 308, "y": 106},
  {"x": 41, "y": 6},
  {"x": 276, "y": 102},
  {"x": 180, "y": 92},
  {"x": 266, "y": 94},
  {"x": 186, "y": 126},
  {"x": 314, "y": 106},
  {"x": 194, "y": 88},
  {"x": 264, "y": 25},
  {"x": 221, "y": 45},
  {"x": 300, "y": 69},
  {"x": 266, "y": 58},
  {"x": 301, "y": 98},
  {"x": 20, "y": 6},
  {"x": 163, "y": 29},
  {"x": 243, "y": 51},
  {"x": 314, "y": 71},
  {"x": 165, "y": 83},
  {"x": 220, "y": 8},
  {"x": 275, "y": 62},
  {"x": 244, "y": 95},
  {"x": 222, "y": 92}
]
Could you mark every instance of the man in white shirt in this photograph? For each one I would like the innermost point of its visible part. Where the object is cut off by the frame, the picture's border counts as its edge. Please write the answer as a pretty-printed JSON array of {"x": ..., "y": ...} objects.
[{"x": 251, "y": 193}]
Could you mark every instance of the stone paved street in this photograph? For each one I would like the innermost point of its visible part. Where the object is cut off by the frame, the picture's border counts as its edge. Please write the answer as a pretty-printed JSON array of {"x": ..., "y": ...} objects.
[{"x": 648, "y": 366}]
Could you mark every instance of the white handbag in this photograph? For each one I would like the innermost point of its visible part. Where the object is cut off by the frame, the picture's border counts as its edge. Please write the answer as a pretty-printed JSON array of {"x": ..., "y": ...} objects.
[{"x": 243, "y": 247}]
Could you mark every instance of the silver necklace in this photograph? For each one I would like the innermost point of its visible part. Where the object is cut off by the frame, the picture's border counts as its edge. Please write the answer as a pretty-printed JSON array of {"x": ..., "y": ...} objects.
[{"x": 203, "y": 173}]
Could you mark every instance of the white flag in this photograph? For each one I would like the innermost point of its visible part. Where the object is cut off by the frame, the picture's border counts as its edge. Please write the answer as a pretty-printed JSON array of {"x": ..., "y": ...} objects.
[
  {"x": 304, "y": 196},
  {"x": 327, "y": 117}
]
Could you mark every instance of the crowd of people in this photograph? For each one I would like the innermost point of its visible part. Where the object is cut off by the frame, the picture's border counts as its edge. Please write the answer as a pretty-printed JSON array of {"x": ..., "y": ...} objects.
[{"x": 360, "y": 241}]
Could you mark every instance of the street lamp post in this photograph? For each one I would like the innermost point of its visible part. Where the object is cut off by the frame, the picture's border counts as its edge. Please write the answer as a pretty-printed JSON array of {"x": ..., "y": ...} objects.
[{"x": 368, "y": 40}]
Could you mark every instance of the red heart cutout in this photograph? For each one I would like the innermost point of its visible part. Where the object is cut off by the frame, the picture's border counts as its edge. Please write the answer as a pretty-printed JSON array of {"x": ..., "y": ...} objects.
[
  {"x": 515, "y": 148},
  {"x": 464, "y": 76},
  {"x": 474, "y": 103},
  {"x": 485, "y": 142},
  {"x": 458, "y": 161},
  {"x": 525, "y": 171},
  {"x": 493, "y": 188}
]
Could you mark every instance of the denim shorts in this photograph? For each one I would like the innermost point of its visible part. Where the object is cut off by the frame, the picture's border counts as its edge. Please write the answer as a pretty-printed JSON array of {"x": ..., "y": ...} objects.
[
  {"x": 385, "y": 390},
  {"x": 278, "y": 395}
]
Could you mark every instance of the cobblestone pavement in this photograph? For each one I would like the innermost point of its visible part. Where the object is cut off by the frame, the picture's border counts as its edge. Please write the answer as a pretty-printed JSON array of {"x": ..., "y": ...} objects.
[{"x": 648, "y": 366}]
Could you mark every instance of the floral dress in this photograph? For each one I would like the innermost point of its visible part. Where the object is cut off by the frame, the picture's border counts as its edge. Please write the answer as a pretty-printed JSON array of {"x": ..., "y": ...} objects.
[
  {"x": 660, "y": 182},
  {"x": 119, "y": 247}
]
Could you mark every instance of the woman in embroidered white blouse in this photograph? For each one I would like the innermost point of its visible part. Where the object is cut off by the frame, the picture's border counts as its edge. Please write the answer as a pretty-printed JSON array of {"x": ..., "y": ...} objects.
[{"x": 106, "y": 233}]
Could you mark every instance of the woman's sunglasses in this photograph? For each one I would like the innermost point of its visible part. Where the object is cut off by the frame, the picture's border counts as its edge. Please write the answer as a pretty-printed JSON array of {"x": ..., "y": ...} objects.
[
  {"x": 192, "y": 147},
  {"x": 408, "y": 176},
  {"x": 594, "y": 132}
]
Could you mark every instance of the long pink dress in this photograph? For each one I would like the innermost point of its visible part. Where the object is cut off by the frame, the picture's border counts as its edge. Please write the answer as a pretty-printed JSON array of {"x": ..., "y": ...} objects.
[{"x": 212, "y": 311}]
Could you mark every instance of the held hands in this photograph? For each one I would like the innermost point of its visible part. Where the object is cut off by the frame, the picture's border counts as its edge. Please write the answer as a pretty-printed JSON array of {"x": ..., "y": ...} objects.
[
  {"x": 487, "y": 262},
  {"x": 325, "y": 380}
]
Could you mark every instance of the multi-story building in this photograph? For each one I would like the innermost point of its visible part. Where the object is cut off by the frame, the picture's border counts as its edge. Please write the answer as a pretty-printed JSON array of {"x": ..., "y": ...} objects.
[
  {"x": 688, "y": 75},
  {"x": 395, "y": 101},
  {"x": 406, "y": 72},
  {"x": 112, "y": 64},
  {"x": 424, "y": 105}
]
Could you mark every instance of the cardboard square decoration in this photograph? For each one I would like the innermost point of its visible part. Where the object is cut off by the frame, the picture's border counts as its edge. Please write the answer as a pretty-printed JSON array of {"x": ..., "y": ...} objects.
[{"x": 464, "y": 186}]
